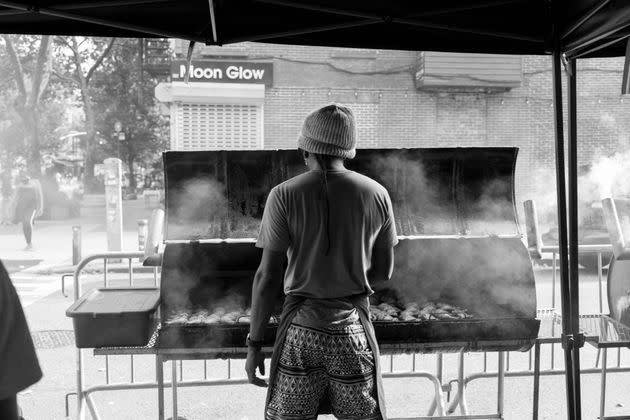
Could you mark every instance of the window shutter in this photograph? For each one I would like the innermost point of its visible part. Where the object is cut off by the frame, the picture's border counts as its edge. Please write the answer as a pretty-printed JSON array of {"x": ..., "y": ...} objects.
[{"x": 219, "y": 126}]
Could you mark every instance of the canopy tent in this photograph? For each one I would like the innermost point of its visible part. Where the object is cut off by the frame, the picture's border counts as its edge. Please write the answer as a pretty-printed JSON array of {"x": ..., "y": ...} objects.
[
  {"x": 484, "y": 26},
  {"x": 567, "y": 30}
]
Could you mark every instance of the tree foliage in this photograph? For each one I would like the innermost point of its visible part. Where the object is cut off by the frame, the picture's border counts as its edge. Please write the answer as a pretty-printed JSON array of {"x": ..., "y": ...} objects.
[
  {"x": 78, "y": 60},
  {"x": 124, "y": 93},
  {"x": 28, "y": 61},
  {"x": 50, "y": 86}
]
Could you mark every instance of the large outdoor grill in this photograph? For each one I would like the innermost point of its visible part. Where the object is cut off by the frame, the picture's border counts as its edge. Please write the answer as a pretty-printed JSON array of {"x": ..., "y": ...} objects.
[
  {"x": 617, "y": 216},
  {"x": 462, "y": 280}
]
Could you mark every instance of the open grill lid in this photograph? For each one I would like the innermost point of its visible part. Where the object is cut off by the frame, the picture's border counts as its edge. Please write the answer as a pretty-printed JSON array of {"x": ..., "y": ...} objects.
[{"x": 436, "y": 191}]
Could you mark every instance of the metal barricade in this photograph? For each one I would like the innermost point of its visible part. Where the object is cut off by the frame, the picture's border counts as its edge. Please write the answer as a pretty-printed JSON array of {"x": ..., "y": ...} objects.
[
  {"x": 83, "y": 395},
  {"x": 441, "y": 406},
  {"x": 85, "y": 399}
]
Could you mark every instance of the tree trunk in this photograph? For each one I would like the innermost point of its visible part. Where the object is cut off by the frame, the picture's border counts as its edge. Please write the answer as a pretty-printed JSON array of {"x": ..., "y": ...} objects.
[
  {"x": 90, "y": 137},
  {"x": 30, "y": 117}
]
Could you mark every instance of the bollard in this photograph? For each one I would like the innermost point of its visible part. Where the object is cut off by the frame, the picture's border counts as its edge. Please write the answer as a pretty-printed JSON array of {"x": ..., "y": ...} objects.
[
  {"x": 143, "y": 231},
  {"x": 76, "y": 245}
]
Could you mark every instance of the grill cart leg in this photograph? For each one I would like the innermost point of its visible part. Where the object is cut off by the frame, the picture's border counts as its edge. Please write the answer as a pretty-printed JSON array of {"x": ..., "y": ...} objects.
[
  {"x": 174, "y": 382},
  {"x": 500, "y": 385},
  {"x": 80, "y": 395},
  {"x": 536, "y": 379},
  {"x": 159, "y": 373},
  {"x": 460, "y": 397},
  {"x": 92, "y": 407},
  {"x": 439, "y": 357},
  {"x": 602, "y": 401}
]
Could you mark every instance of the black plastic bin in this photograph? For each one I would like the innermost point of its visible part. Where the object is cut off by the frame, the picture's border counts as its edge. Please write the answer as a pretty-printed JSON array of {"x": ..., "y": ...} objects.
[{"x": 114, "y": 317}]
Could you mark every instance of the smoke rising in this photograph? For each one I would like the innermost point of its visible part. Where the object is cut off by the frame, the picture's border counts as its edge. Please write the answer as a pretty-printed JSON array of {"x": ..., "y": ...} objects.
[
  {"x": 609, "y": 177},
  {"x": 198, "y": 208},
  {"x": 433, "y": 197},
  {"x": 422, "y": 204},
  {"x": 606, "y": 176},
  {"x": 491, "y": 277}
]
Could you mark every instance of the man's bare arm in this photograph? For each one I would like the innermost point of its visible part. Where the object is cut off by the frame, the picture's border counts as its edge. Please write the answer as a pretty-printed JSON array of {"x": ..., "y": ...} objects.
[
  {"x": 381, "y": 268},
  {"x": 265, "y": 290}
]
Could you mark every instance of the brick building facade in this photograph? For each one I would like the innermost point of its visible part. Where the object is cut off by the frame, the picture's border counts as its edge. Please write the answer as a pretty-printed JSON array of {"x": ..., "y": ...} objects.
[{"x": 393, "y": 111}]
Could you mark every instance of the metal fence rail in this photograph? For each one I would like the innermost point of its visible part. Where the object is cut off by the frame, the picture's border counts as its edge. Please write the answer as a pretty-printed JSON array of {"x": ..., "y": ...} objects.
[{"x": 442, "y": 406}]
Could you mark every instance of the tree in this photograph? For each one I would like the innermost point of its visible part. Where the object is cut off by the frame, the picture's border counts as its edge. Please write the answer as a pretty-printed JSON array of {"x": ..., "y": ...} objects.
[
  {"x": 31, "y": 81},
  {"x": 125, "y": 94},
  {"x": 86, "y": 56}
]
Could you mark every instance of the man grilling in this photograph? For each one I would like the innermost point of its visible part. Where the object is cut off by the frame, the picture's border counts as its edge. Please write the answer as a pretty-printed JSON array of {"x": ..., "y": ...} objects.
[{"x": 336, "y": 227}]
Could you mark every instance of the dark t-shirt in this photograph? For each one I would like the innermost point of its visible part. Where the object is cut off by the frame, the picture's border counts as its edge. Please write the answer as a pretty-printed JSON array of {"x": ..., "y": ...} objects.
[
  {"x": 361, "y": 218},
  {"x": 26, "y": 199}
]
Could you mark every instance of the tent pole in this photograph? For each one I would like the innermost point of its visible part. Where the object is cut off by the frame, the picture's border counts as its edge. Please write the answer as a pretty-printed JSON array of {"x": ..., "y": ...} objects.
[
  {"x": 213, "y": 21},
  {"x": 98, "y": 21},
  {"x": 584, "y": 18},
  {"x": 599, "y": 47},
  {"x": 562, "y": 226},
  {"x": 578, "y": 339},
  {"x": 366, "y": 15},
  {"x": 86, "y": 5}
]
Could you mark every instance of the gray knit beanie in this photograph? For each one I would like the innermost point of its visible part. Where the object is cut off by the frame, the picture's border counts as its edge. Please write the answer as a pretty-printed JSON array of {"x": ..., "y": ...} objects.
[{"x": 330, "y": 130}]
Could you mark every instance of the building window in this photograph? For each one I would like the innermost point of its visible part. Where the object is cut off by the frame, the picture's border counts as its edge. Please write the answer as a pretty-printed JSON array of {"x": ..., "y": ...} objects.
[{"x": 219, "y": 126}]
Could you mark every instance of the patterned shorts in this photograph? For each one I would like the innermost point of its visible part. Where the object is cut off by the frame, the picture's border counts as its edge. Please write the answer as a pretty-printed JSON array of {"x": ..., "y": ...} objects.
[{"x": 313, "y": 363}]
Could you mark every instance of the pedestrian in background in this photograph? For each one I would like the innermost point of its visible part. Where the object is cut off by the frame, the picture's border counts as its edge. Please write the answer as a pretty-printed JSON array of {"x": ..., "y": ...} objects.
[
  {"x": 19, "y": 367},
  {"x": 28, "y": 205}
]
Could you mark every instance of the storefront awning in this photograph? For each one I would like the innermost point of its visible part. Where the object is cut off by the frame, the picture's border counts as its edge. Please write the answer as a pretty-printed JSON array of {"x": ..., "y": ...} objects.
[{"x": 220, "y": 93}]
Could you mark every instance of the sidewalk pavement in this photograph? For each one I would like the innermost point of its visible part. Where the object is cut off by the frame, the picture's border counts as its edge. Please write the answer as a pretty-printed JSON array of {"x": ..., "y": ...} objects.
[{"x": 52, "y": 240}]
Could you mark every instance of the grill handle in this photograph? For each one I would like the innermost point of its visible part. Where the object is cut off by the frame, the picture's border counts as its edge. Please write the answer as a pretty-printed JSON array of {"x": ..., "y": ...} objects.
[
  {"x": 534, "y": 239},
  {"x": 621, "y": 251}
]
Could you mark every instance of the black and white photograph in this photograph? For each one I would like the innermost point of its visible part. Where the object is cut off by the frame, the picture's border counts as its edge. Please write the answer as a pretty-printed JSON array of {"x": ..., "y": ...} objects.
[{"x": 314, "y": 210}]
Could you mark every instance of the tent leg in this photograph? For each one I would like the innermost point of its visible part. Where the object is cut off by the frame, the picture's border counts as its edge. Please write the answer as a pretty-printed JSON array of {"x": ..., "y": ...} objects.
[
  {"x": 573, "y": 235},
  {"x": 562, "y": 225}
]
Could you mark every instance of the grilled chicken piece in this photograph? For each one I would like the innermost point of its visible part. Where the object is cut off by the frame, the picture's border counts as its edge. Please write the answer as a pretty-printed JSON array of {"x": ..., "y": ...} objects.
[
  {"x": 429, "y": 307},
  {"x": 377, "y": 314},
  {"x": 412, "y": 306},
  {"x": 177, "y": 318},
  {"x": 388, "y": 309},
  {"x": 444, "y": 315},
  {"x": 230, "y": 317},
  {"x": 407, "y": 316},
  {"x": 212, "y": 319},
  {"x": 198, "y": 317}
]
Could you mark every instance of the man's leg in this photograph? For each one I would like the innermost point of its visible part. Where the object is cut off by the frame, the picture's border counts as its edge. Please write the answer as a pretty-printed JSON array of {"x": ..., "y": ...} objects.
[
  {"x": 9, "y": 409},
  {"x": 27, "y": 226},
  {"x": 300, "y": 381},
  {"x": 352, "y": 374}
]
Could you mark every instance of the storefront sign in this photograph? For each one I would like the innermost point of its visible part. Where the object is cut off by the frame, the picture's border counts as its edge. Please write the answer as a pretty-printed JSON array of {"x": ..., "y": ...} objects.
[{"x": 223, "y": 72}]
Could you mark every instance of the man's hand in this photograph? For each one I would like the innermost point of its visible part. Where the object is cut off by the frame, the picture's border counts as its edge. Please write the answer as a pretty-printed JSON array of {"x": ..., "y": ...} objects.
[{"x": 255, "y": 359}]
